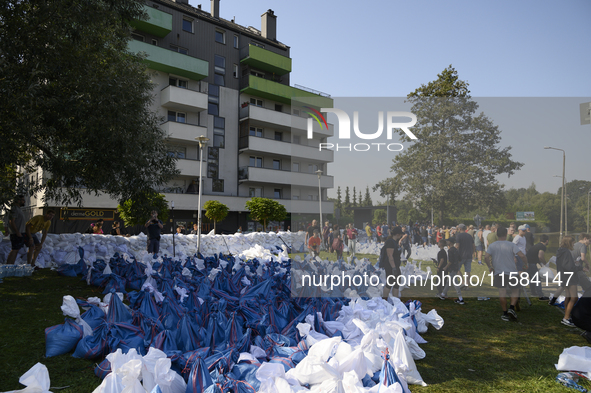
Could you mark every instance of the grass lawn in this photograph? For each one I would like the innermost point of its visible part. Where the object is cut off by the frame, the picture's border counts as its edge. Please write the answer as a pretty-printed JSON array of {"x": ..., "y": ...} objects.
[{"x": 474, "y": 352}]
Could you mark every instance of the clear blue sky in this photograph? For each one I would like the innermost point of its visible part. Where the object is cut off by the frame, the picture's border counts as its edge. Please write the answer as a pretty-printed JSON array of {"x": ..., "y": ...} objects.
[{"x": 383, "y": 48}]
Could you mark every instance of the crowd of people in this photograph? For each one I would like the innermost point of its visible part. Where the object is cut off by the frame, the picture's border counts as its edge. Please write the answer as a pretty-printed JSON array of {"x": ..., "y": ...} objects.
[{"x": 510, "y": 254}]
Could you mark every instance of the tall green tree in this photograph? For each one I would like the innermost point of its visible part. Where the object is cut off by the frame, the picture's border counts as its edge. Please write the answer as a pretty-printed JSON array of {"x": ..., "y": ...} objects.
[
  {"x": 265, "y": 210},
  {"x": 347, "y": 203},
  {"x": 75, "y": 102},
  {"x": 354, "y": 197},
  {"x": 456, "y": 157},
  {"x": 367, "y": 201},
  {"x": 339, "y": 202},
  {"x": 136, "y": 211},
  {"x": 216, "y": 211}
]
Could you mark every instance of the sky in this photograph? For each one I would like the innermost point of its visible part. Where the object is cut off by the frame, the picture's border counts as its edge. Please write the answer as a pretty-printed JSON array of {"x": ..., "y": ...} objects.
[{"x": 532, "y": 57}]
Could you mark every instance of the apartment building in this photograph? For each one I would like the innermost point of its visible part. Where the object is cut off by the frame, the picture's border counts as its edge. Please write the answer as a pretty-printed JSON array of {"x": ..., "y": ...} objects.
[{"x": 231, "y": 84}]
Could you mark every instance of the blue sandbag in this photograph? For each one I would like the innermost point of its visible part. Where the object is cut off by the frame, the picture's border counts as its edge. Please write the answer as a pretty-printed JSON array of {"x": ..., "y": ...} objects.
[
  {"x": 94, "y": 316},
  {"x": 165, "y": 341},
  {"x": 128, "y": 337},
  {"x": 188, "y": 336},
  {"x": 245, "y": 372},
  {"x": 118, "y": 313},
  {"x": 67, "y": 270},
  {"x": 285, "y": 362},
  {"x": 103, "y": 369},
  {"x": 199, "y": 379},
  {"x": 91, "y": 347},
  {"x": 60, "y": 339},
  {"x": 171, "y": 313}
]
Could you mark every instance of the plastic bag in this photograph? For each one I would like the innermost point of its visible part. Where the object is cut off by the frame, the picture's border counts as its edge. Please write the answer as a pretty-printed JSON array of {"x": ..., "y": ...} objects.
[
  {"x": 575, "y": 359},
  {"x": 36, "y": 380},
  {"x": 61, "y": 339}
]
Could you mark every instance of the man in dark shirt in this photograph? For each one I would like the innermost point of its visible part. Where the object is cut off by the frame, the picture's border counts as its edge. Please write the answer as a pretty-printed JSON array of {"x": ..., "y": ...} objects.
[
  {"x": 390, "y": 260},
  {"x": 535, "y": 256},
  {"x": 581, "y": 315},
  {"x": 466, "y": 250},
  {"x": 154, "y": 226},
  {"x": 310, "y": 230}
]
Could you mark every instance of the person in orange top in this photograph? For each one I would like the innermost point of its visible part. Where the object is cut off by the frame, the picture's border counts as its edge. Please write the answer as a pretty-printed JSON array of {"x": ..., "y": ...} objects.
[{"x": 314, "y": 244}]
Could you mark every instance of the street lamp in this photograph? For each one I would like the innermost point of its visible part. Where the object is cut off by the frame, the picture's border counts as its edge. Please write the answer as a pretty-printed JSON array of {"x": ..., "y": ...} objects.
[
  {"x": 588, "y": 193},
  {"x": 562, "y": 196},
  {"x": 173, "y": 228},
  {"x": 319, "y": 173},
  {"x": 202, "y": 142}
]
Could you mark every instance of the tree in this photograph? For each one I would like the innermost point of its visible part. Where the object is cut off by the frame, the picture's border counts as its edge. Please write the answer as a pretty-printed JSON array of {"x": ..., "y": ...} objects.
[
  {"x": 379, "y": 216},
  {"x": 264, "y": 209},
  {"x": 339, "y": 203},
  {"x": 367, "y": 201},
  {"x": 454, "y": 160},
  {"x": 354, "y": 197},
  {"x": 137, "y": 210},
  {"x": 75, "y": 103},
  {"x": 216, "y": 211},
  {"x": 347, "y": 203}
]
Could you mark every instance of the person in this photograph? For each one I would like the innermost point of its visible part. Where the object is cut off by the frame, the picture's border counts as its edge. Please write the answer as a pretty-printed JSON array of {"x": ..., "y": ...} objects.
[
  {"x": 535, "y": 255},
  {"x": 485, "y": 236},
  {"x": 155, "y": 227},
  {"x": 404, "y": 242},
  {"x": 438, "y": 235},
  {"x": 368, "y": 232},
  {"x": 384, "y": 231},
  {"x": 179, "y": 230},
  {"x": 580, "y": 250},
  {"x": 519, "y": 240},
  {"x": 116, "y": 230},
  {"x": 479, "y": 244},
  {"x": 325, "y": 233},
  {"x": 34, "y": 225},
  {"x": 500, "y": 259},
  {"x": 195, "y": 231},
  {"x": 424, "y": 235},
  {"x": 492, "y": 236},
  {"x": 529, "y": 237},
  {"x": 452, "y": 269},
  {"x": 567, "y": 267},
  {"x": 310, "y": 230},
  {"x": 511, "y": 231},
  {"x": 352, "y": 237},
  {"x": 314, "y": 244},
  {"x": 465, "y": 245},
  {"x": 390, "y": 260},
  {"x": 337, "y": 243},
  {"x": 581, "y": 315},
  {"x": 445, "y": 231},
  {"x": 379, "y": 233},
  {"x": 97, "y": 228},
  {"x": 442, "y": 266},
  {"x": 16, "y": 228},
  {"x": 330, "y": 240}
]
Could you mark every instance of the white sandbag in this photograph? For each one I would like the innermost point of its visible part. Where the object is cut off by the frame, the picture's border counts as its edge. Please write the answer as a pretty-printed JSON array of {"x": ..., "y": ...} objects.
[
  {"x": 545, "y": 273},
  {"x": 325, "y": 349},
  {"x": 70, "y": 309},
  {"x": 36, "y": 380},
  {"x": 403, "y": 361},
  {"x": 575, "y": 359},
  {"x": 312, "y": 370},
  {"x": 167, "y": 379}
]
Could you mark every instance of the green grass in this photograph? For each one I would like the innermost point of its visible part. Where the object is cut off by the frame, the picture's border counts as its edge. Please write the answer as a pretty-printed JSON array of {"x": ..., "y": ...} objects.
[{"x": 474, "y": 352}]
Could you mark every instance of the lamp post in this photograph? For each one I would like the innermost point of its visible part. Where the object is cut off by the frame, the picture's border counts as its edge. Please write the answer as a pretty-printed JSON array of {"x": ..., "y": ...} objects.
[
  {"x": 202, "y": 142},
  {"x": 319, "y": 173},
  {"x": 173, "y": 229},
  {"x": 562, "y": 196}
]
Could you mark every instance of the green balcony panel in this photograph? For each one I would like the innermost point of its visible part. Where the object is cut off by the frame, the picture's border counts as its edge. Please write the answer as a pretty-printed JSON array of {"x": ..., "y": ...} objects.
[
  {"x": 165, "y": 60},
  {"x": 159, "y": 23},
  {"x": 270, "y": 90},
  {"x": 265, "y": 60}
]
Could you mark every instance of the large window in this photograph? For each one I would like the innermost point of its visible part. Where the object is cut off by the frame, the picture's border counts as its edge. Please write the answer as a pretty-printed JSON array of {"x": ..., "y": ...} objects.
[
  {"x": 295, "y": 167},
  {"x": 255, "y": 192},
  {"x": 278, "y": 136},
  {"x": 236, "y": 41},
  {"x": 217, "y": 185},
  {"x": 220, "y": 64},
  {"x": 179, "y": 49},
  {"x": 178, "y": 82},
  {"x": 255, "y": 131},
  {"x": 277, "y": 164},
  {"x": 218, "y": 79},
  {"x": 256, "y": 102},
  {"x": 256, "y": 161},
  {"x": 179, "y": 117},
  {"x": 277, "y": 193},
  {"x": 219, "y": 141},
  {"x": 177, "y": 151}
]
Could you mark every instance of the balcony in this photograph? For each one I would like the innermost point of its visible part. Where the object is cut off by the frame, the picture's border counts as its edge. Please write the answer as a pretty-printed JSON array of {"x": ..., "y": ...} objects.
[
  {"x": 165, "y": 60},
  {"x": 274, "y": 176},
  {"x": 158, "y": 23},
  {"x": 271, "y": 146},
  {"x": 190, "y": 167},
  {"x": 184, "y": 100},
  {"x": 265, "y": 60},
  {"x": 183, "y": 131},
  {"x": 275, "y": 91},
  {"x": 281, "y": 121}
]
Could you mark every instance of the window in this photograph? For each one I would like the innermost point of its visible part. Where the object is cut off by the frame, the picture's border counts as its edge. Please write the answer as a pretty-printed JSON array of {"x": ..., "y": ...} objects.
[
  {"x": 214, "y": 91},
  {"x": 236, "y": 41},
  {"x": 175, "y": 48},
  {"x": 177, "y": 151},
  {"x": 220, "y": 64},
  {"x": 279, "y": 107},
  {"x": 188, "y": 24},
  {"x": 257, "y": 73},
  {"x": 217, "y": 185},
  {"x": 179, "y": 117},
  {"x": 219, "y": 122},
  {"x": 256, "y": 102},
  {"x": 257, "y": 44},
  {"x": 219, "y": 141},
  {"x": 212, "y": 171},
  {"x": 255, "y": 192},
  {"x": 295, "y": 167},
  {"x": 137, "y": 37},
  {"x": 277, "y": 193},
  {"x": 256, "y": 162},
  {"x": 213, "y": 154},
  {"x": 312, "y": 168},
  {"x": 255, "y": 131},
  {"x": 178, "y": 82},
  {"x": 296, "y": 140},
  {"x": 220, "y": 36},
  {"x": 278, "y": 136},
  {"x": 277, "y": 164},
  {"x": 218, "y": 80},
  {"x": 213, "y": 109},
  {"x": 154, "y": 42},
  {"x": 235, "y": 72}
]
